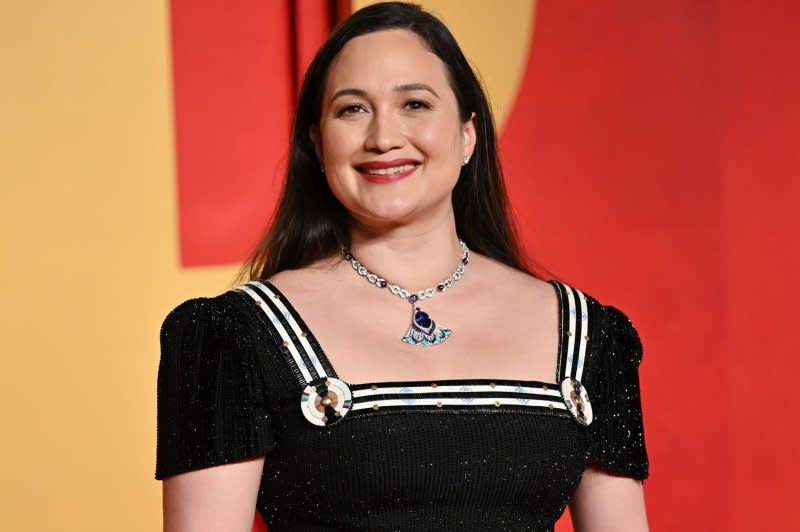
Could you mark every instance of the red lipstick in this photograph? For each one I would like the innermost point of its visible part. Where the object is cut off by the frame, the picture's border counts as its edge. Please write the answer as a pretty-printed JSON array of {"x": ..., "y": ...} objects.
[{"x": 363, "y": 170}]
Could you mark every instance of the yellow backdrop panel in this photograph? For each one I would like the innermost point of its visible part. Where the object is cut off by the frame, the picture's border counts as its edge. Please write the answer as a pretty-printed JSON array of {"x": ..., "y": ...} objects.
[
  {"x": 90, "y": 263},
  {"x": 90, "y": 260}
]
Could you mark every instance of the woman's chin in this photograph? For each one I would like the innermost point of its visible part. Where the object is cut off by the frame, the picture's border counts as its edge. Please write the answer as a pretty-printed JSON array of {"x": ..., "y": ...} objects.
[
  {"x": 399, "y": 211},
  {"x": 394, "y": 215}
]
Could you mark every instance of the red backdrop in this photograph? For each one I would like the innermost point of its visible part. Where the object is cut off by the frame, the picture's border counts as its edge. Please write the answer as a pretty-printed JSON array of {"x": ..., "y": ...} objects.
[{"x": 652, "y": 161}]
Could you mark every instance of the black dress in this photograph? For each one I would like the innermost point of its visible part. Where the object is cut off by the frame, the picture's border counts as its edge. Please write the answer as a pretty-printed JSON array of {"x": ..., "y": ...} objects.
[{"x": 242, "y": 376}]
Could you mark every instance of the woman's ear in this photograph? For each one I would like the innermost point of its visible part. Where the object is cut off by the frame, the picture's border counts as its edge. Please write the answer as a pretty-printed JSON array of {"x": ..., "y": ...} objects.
[{"x": 469, "y": 130}]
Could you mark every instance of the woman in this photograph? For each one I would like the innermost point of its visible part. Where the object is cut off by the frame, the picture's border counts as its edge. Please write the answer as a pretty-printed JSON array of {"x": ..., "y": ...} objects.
[{"x": 486, "y": 399}]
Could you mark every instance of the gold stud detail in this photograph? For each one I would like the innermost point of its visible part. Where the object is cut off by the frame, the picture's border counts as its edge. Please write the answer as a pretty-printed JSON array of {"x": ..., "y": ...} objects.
[
  {"x": 375, "y": 406},
  {"x": 276, "y": 296},
  {"x": 338, "y": 414},
  {"x": 497, "y": 403},
  {"x": 569, "y": 333},
  {"x": 325, "y": 419},
  {"x": 304, "y": 334},
  {"x": 439, "y": 404},
  {"x": 326, "y": 401},
  {"x": 259, "y": 302},
  {"x": 491, "y": 384},
  {"x": 586, "y": 337},
  {"x": 550, "y": 406},
  {"x": 327, "y": 383},
  {"x": 434, "y": 385},
  {"x": 544, "y": 387},
  {"x": 286, "y": 343},
  {"x": 373, "y": 387}
]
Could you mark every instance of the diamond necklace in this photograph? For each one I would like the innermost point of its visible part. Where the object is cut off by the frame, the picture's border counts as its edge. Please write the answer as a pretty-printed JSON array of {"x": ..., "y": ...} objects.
[{"x": 423, "y": 330}]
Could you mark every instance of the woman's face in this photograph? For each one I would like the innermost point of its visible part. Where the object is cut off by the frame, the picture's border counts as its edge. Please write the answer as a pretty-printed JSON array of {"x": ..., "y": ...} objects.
[{"x": 390, "y": 137}]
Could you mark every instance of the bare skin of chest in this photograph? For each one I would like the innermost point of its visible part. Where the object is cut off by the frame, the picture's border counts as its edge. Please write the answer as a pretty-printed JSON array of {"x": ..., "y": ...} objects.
[{"x": 504, "y": 326}]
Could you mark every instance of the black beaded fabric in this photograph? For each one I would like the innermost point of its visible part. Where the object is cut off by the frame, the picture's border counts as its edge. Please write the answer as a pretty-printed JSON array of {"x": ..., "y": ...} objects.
[{"x": 228, "y": 389}]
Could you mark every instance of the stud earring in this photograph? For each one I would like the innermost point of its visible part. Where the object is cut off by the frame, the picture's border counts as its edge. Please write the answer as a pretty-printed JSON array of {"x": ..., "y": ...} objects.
[{"x": 466, "y": 160}]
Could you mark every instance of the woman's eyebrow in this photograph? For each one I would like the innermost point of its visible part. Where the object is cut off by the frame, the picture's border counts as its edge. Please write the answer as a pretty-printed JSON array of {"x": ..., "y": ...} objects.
[
  {"x": 407, "y": 87},
  {"x": 348, "y": 92}
]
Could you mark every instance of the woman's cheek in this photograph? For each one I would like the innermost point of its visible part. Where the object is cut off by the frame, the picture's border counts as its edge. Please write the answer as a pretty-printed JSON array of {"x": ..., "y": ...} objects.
[
  {"x": 341, "y": 142},
  {"x": 435, "y": 138}
]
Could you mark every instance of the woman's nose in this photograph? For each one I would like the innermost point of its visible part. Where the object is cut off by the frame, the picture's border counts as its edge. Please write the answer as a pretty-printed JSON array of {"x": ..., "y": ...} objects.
[{"x": 384, "y": 133}]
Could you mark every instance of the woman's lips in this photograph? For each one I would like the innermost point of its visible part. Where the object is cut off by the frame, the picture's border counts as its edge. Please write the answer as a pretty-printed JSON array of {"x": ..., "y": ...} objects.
[{"x": 387, "y": 172}]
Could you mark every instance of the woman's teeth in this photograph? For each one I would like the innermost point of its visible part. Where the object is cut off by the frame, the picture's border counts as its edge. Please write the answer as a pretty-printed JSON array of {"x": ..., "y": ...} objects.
[{"x": 389, "y": 171}]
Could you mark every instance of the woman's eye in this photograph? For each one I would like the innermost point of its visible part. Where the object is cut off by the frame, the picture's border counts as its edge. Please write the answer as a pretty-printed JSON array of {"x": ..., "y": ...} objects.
[
  {"x": 349, "y": 110},
  {"x": 415, "y": 105}
]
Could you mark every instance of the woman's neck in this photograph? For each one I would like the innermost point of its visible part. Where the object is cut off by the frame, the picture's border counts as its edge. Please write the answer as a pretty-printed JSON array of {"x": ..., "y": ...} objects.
[{"x": 414, "y": 258}]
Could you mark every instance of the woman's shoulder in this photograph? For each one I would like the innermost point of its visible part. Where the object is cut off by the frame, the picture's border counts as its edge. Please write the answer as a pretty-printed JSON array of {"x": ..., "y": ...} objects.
[
  {"x": 505, "y": 280},
  {"x": 211, "y": 322},
  {"x": 306, "y": 286},
  {"x": 514, "y": 281},
  {"x": 316, "y": 272},
  {"x": 614, "y": 331},
  {"x": 201, "y": 307},
  {"x": 615, "y": 328},
  {"x": 612, "y": 324}
]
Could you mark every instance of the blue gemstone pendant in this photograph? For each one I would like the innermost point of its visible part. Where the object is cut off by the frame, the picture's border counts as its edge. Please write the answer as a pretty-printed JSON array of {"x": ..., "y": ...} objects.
[{"x": 423, "y": 330}]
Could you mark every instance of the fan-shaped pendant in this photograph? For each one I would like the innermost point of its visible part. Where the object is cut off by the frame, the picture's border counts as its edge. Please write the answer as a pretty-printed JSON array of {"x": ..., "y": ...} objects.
[{"x": 424, "y": 331}]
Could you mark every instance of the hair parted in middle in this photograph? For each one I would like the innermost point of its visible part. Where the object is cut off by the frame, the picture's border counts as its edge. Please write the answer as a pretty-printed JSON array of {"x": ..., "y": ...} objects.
[{"x": 310, "y": 224}]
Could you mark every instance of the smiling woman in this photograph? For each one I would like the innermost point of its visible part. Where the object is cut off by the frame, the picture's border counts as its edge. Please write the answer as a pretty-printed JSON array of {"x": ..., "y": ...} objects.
[
  {"x": 399, "y": 124},
  {"x": 326, "y": 402}
]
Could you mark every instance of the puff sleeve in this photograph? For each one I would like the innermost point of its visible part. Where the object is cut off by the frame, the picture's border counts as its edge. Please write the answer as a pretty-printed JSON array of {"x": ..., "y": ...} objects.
[
  {"x": 617, "y": 430},
  {"x": 211, "y": 405}
]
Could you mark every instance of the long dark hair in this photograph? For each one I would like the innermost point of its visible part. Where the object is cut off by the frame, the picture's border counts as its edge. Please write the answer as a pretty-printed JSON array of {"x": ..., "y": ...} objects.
[{"x": 310, "y": 224}]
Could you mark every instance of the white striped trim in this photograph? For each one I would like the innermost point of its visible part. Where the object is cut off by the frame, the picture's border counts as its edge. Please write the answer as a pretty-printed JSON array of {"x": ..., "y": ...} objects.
[
  {"x": 461, "y": 401},
  {"x": 281, "y": 330},
  {"x": 572, "y": 311},
  {"x": 584, "y": 335},
  {"x": 367, "y": 392},
  {"x": 570, "y": 329},
  {"x": 295, "y": 327}
]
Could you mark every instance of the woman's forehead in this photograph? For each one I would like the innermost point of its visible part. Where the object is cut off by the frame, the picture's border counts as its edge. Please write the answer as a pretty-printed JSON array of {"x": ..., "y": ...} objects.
[{"x": 383, "y": 60}]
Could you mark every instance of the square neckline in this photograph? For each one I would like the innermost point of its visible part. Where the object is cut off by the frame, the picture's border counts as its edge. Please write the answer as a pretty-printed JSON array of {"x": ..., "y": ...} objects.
[{"x": 329, "y": 368}]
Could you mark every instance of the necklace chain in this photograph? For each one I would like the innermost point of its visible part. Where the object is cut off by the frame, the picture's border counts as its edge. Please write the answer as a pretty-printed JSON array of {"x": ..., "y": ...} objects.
[{"x": 399, "y": 291}]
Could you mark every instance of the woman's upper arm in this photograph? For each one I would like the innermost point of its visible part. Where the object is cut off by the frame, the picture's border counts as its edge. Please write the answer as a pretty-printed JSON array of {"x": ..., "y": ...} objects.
[
  {"x": 604, "y": 502},
  {"x": 610, "y": 497},
  {"x": 219, "y": 498},
  {"x": 214, "y": 426}
]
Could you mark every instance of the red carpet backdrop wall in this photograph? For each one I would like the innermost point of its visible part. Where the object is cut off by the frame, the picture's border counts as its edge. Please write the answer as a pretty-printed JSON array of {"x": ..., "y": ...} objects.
[{"x": 651, "y": 151}]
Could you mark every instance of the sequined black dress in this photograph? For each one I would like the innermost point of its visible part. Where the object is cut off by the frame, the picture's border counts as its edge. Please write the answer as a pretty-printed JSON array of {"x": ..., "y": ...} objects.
[{"x": 241, "y": 376}]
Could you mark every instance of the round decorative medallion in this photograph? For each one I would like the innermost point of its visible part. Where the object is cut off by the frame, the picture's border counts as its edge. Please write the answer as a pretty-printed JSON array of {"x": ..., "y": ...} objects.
[
  {"x": 577, "y": 400},
  {"x": 326, "y": 401}
]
